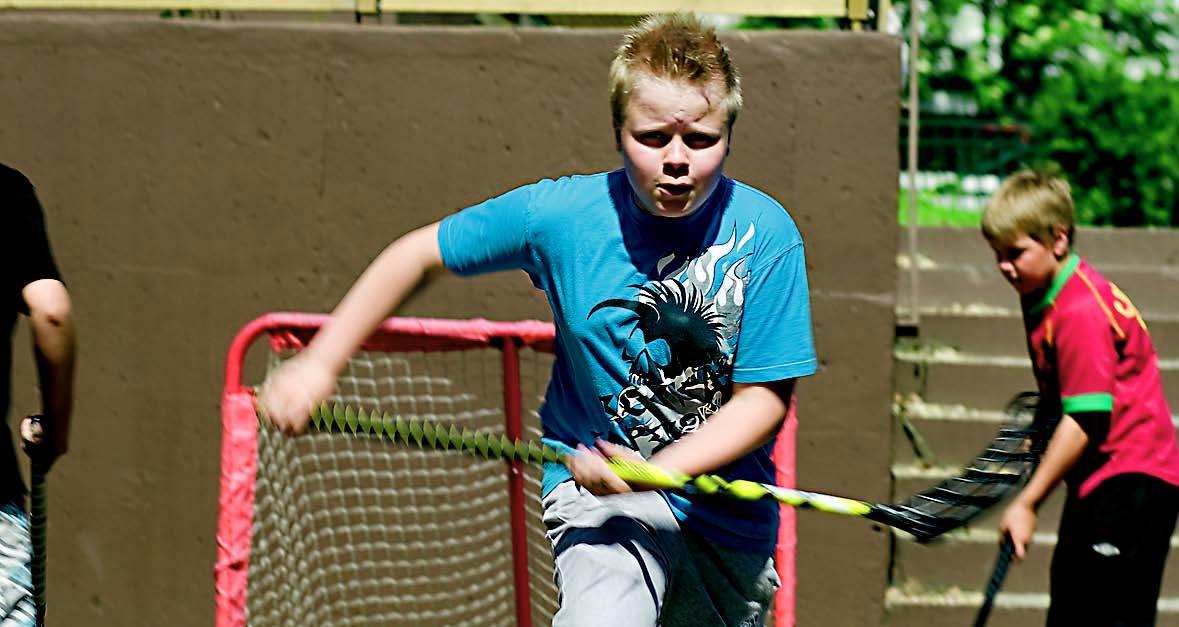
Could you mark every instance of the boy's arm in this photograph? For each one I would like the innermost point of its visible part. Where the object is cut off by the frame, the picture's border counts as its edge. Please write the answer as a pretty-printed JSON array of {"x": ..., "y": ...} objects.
[
  {"x": 750, "y": 418},
  {"x": 54, "y": 347},
  {"x": 1067, "y": 445},
  {"x": 289, "y": 395}
]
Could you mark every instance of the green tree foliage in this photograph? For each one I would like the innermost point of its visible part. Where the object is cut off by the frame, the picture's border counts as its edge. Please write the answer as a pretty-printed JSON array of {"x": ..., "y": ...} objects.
[{"x": 1096, "y": 81}]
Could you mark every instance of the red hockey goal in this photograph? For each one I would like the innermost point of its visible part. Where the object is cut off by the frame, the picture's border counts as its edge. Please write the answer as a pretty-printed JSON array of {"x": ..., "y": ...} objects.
[{"x": 329, "y": 530}]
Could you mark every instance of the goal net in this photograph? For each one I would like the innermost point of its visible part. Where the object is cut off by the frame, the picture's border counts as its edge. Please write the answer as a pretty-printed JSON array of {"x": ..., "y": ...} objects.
[{"x": 326, "y": 529}]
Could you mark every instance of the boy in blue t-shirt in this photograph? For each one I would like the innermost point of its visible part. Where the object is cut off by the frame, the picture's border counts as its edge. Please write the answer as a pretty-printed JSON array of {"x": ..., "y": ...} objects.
[{"x": 682, "y": 313}]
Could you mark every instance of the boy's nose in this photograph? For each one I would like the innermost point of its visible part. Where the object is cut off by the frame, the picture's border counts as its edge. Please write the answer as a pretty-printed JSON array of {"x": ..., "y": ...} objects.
[{"x": 675, "y": 158}]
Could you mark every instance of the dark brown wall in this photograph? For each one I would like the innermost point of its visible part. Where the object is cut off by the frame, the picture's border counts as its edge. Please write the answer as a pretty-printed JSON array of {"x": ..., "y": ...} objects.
[{"x": 197, "y": 175}]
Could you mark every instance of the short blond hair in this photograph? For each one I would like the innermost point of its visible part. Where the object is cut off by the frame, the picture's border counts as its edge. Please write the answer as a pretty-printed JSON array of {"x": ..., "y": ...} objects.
[
  {"x": 678, "y": 47},
  {"x": 1034, "y": 201}
]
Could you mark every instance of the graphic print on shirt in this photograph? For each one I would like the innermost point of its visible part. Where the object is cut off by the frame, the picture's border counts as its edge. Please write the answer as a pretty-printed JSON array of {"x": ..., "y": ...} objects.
[{"x": 681, "y": 354}]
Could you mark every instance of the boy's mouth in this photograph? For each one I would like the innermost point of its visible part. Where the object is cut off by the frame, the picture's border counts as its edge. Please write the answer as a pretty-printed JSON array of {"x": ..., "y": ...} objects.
[{"x": 674, "y": 190}]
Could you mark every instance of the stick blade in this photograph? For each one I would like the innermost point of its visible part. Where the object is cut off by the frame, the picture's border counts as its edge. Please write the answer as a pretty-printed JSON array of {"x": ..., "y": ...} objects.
[{"x": 995, "y": 474}]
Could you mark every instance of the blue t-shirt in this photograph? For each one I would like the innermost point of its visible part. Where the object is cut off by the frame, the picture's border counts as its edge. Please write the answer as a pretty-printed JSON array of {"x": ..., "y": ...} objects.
[{"x": 655, "y": 317}]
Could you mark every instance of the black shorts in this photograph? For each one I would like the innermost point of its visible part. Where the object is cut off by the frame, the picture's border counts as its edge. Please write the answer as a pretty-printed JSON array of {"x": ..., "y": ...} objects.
[{"x": 1110, "y": 553}]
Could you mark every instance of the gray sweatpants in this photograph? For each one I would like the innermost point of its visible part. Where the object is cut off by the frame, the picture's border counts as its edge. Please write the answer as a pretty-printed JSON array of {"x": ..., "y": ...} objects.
[{"x": 624, "y": 561}]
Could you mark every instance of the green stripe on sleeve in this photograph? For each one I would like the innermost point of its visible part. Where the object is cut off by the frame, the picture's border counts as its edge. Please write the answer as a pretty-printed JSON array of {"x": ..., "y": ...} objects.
[{"x": 1088, "y": 402}]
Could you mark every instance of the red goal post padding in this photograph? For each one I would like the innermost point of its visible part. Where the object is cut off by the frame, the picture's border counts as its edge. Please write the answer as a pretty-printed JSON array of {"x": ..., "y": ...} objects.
[{"x": 291, "y": 331}]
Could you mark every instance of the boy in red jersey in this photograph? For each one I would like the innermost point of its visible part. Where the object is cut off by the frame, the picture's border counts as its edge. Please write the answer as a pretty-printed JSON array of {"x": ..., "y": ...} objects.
[{"x": 1115, "y": 445}]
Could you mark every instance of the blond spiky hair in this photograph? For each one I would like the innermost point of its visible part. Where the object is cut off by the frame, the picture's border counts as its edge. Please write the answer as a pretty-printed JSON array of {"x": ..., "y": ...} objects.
[
  {"x": 1034, "y": 201},
  {"x": 676, "y": 47}
]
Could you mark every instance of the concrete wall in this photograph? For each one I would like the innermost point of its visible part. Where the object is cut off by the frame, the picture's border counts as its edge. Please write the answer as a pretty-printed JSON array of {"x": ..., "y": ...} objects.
[{"x": 196, "y": 175}]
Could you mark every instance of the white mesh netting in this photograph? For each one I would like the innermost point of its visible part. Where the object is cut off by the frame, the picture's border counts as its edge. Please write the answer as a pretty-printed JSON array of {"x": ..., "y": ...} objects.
[{"x": 354, "y": 532}]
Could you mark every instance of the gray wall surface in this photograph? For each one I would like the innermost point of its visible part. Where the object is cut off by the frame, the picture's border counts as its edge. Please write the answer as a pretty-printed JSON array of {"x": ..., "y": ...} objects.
[{"x": 197, "y": 175}]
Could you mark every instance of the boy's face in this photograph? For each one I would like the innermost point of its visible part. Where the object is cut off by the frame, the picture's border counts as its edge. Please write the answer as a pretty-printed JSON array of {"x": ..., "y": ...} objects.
[
  {"x": 673, "y": 141},
  {"x": 1028, "y": 265}
]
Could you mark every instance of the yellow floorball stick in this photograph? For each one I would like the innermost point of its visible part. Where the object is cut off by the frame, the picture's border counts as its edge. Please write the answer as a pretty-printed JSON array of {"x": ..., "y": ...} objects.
[
  {"x": 923, "y": 525},
  {"x": 1004, "y": 463}
]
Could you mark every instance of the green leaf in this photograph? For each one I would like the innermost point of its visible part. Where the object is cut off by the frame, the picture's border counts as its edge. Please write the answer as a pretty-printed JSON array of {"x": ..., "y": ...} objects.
[{"x": 415, "y": 432}]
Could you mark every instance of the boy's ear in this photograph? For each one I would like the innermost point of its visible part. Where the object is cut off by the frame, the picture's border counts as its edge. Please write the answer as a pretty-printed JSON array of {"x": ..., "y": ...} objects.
[{"x": 1060, "y": 243}]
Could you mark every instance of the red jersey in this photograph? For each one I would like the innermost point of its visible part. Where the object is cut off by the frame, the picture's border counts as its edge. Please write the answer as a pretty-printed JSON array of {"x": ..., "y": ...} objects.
[{"x": 1090, "y": 348}]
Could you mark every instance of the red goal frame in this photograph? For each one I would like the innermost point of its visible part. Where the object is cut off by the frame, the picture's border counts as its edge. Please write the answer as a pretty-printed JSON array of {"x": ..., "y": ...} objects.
[{"x": 285, "y": 331}]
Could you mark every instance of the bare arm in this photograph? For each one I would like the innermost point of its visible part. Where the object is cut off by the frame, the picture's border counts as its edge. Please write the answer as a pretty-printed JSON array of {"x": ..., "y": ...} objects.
[
  {"x": 1064, "y": 449},
  {"x": 54, "y": 347},
  {"x": 383, "y": 286},
  {"x": 303, "y": 382},
  {"x": 750, "y": 418}
]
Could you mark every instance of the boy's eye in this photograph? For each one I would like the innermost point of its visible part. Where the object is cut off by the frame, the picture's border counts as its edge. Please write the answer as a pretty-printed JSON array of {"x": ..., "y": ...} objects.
[
  {"x": 655, "y": 139},
  {"x": 699, "y": 141},
  {"x": 1009, "y": 254}
]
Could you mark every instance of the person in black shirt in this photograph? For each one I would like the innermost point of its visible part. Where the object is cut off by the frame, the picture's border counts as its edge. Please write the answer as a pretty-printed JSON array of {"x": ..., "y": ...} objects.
[{"x": 30, "y": 285}]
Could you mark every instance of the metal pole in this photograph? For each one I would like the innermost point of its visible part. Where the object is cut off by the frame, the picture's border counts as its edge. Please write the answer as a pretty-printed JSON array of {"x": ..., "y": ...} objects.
[
  {"x": 914, "y": 48},
  {"x": 883, "y": 8},
  {"x": 857, "y": 13}
]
